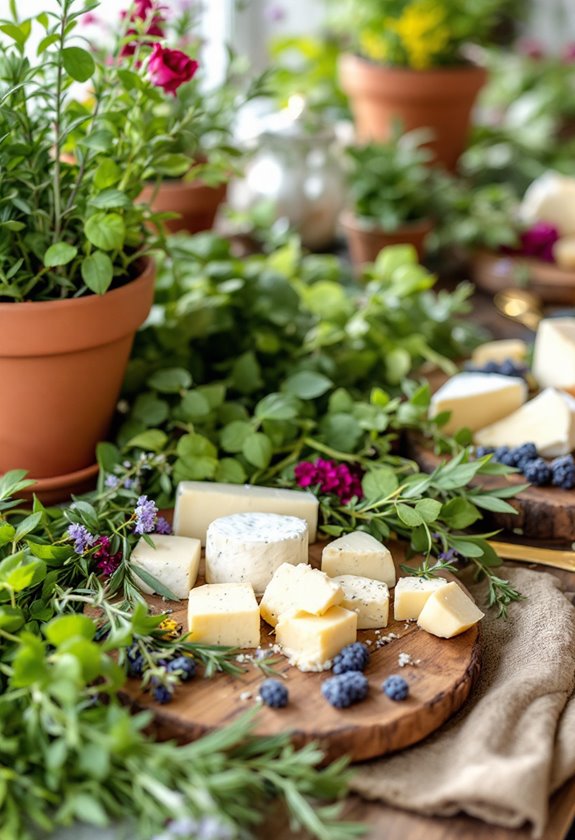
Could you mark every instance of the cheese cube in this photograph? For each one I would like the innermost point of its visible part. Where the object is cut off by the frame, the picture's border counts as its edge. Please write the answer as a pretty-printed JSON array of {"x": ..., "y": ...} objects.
[
  {"x": 368, "y": 598},
  {"x": 311, "y": 641},
  {"x": 477, "y": 399},
  {"x": 198, "y": 503},
  {"x": 449, "y": 612},
  {"x": 174, "y": 562},
  {"x": 360, "y": 554},
  {"x": 301, "y": 588},
  {"x": 548, "y": 421},
  {"x": 249, "y": 547},
  {"x": 224, "y": 614},
  {"x": 500, "y": 351},
  {"x": 411, "y": 594},
  {"x": 554, "y": 353}
]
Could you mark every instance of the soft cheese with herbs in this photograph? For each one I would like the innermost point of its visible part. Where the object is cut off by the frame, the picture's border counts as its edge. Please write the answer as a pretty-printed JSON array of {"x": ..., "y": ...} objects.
[
  {"x": 299, "y": 587},
  {"x": 224, "y": 614},
  {"x": 360, "y": 554},
  {"x": 249, "y": 547},
  {"x": 411, "y": 594},
  {"x": 311, "y": 641},
  {"x": 475, "y": 400},
  {"x": 368, "y": 598},
  {"x": 449, "y": 612},
  {"x": 173, "y": 561}
]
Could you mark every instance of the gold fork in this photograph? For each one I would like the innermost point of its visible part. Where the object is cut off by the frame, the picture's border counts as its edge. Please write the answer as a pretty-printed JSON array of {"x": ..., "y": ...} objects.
[{"x": 531, "y": 554}]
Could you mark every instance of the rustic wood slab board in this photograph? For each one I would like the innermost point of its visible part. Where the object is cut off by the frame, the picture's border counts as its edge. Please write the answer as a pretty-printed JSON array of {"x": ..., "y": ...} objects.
[
  {"x": 543, "y": 513},
  {"x": 439, "y": 685}
]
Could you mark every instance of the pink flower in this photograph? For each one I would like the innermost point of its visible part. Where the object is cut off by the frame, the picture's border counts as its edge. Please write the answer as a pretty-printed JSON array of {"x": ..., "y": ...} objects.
[
  {"x": 568, "y": 54},
  {"x": 538, "y": 241},
  {"x": 330, "y": 478},
  {"x": 89, "y": 19},
  {"x": 145, "y": 10},
  {"x": 170, "y": 68},
  {"x": 106, "y": 563},
  {"x": 531, "y": 48}
]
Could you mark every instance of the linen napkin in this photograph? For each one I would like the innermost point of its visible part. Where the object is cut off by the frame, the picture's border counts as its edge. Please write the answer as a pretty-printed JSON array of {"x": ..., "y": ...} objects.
[{"x": 513, "y": 742}]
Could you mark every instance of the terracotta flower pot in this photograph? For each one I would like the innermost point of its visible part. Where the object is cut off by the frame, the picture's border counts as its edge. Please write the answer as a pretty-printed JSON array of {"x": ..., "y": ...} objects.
[
  {"x": 365, "y": 241},
  {"x": 441, "y": 99},
  {"x": 196, "y": 203},
  {"x": 61, "y": 368}
]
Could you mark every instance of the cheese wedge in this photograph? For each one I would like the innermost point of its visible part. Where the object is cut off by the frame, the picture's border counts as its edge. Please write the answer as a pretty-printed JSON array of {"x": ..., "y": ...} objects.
[
  {"x": 311, "y": 641},
  {"x": 550, "y": 198},
  {"x": 411, "y": 594},
  {"x": 174, "y": 562},
  {"x": 548, "y": 420},
  {"x": 477, "y": 399},
  {"x": 301, "y": 588},
  {"x": 449, "y": 612},
  {"x": 500, "y": 351},
  {"x": 224, "y": 614},
  {"x": 554, "y": 353},
  {"x": 368, "y": 598},
  {"x": 360, "y": 554}
]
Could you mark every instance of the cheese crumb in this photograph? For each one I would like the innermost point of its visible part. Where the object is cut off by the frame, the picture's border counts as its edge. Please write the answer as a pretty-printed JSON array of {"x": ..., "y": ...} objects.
[
  {"x": 407, "y": 659},
  {"x": 246, "y": 695},
  {"x": 385, "y": 640}
]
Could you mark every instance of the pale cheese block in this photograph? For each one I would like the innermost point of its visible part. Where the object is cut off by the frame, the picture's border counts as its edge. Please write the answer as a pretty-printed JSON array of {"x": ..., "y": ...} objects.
[
  {"x": 299, "y": 587},
  {"x": 198, "y": 503},
  {"x": 500, "y": 351},
  {"x": 411, "y": 594},
  {"x": 368, "y": 598},
  {"x": 564, "y": 252},
  {"x": 554, "y": 353},
  {"x": 550, "y": 198},
  {"x": 449, "y": 612},
  {"x": 477, "y": 399},
  {"x": 311, "y": 641},
  {"x": 174, "y": 562},
  {"x": 249, "y": 547},
  {"x": 360, "y": 554},
  {"x": 548, "y": 421},
  {"x": 224, "y": 614}
]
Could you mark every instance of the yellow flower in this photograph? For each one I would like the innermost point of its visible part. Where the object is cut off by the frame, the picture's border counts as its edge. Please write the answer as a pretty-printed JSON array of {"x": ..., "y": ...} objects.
[
  {"x": 422, "y": 31},
  {"x": 374, "y": 46},
  {"x": 169, "y": 628}
]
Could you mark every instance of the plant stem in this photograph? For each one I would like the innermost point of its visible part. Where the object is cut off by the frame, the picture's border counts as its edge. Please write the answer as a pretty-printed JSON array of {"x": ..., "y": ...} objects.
[{"x": 58, "y": 128}]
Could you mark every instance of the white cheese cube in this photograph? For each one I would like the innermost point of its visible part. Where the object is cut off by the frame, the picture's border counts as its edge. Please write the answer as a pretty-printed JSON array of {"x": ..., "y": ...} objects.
[
  {"x": 360, "y": 554},
  {"x": 411, "y": 594},
  {"x": 301, "y": 588},
  {"x": 554, "y": 353},
  {"x": 249, "y": 547},
  {"x": 548, "y": 421},
  {"x": 477, "y": 399},
  {"x": 198, "y": 503},
  {"x": 449, "y": 612},
  {"x": 224, "y": 614},
  {"x": 499, "y": 351},
  {"x": 368, "y": 598},
  {"x": 174, "y": 562},
  {"x": 311, "y": 641}
]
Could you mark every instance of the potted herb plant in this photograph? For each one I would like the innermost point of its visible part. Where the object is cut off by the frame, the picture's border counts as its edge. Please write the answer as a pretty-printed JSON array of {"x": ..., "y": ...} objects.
[
  {"x": 408, "y": 63},
  {"x": 391, "y": 196},
  {"x": 76, "y": 279}
]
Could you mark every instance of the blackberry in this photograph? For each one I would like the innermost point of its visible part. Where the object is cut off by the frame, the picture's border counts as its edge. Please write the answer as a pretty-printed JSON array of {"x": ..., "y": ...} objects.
[
  {"x": 504, "y": 455},
  {"x": 521, "y": 455},
  {"x": 160, "y": 692},
  {"x": 185, "y": 665},
  {"x": 395, "y": 687},
  {"x": 563, "y": 472},
  {"x": 481, "y": 451},
  {"x": 352, "y": 657},
  {"x": 345, "y": 689},
  {"x": 274, "y": 694},
  {"x": 537, "y": 472}
]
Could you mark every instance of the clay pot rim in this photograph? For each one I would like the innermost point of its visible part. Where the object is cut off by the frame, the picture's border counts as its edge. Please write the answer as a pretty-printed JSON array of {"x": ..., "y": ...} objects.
[
  {"x": 181, "y": 185},
  {"x": 469, "y": 68},
  {"x": 362, "y": 225}
]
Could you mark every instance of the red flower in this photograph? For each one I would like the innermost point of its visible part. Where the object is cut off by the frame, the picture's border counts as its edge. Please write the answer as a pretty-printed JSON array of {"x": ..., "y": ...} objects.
[{"x": 170, "y": 68}]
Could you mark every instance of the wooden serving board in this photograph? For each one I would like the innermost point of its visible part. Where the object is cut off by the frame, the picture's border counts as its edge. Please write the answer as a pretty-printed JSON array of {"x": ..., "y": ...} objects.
[
  {"x": 543, "y": 513},
  {"x": 494, "y": 272},
  {"x": 439, "y": 685}
]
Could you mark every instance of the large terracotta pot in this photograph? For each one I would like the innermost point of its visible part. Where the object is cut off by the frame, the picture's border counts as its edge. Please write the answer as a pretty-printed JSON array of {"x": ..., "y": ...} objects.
[
  {"x": 196, "y": 202},
  {"x": 441, "y": 99},
  {"x": 365, "y": 240},
  {"x": 61, "y": 368}
]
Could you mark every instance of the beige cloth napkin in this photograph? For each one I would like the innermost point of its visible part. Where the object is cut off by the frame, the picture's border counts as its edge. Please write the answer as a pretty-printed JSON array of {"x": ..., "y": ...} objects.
[{"x": 513, "y": 742}]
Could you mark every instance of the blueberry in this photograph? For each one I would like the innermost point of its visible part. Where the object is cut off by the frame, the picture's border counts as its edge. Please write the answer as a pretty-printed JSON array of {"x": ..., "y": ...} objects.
[
  {"x": 274, "y": 694},
  {"x": 352, "y": 657},
  {"x": 482, "y": 451},
  {"x": 345, "y": 689},
  {"x": 490, "y": 367},
  {"x": 185, "y": 665},
  {"x": 395, "y": 687},
  {"x": 160, "y": 692},
  {"x": 504, "y": 455},
  {"x": 523, "y": 453},
  {"x": 563, "y": 472},
  {"x": 537, "y": 472}
]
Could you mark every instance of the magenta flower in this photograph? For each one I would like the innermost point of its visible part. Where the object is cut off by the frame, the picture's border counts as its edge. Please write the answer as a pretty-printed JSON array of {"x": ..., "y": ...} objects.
[
  {"x": 538, "y": 240},
  {"x": 106, "y": 563},
  {"x": 330, "y": 478},
  {"x": 568, "y": 54},
  {"x": 169, "y": 69},
  {"x": 145, "y": 10}
]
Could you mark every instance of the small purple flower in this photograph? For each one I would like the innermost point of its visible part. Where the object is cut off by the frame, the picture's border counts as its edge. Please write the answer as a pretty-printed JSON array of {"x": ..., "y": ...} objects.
[
  {"x": 112, "y": 480},
  {"x": 146, "y": 512},
  {"x": 449, "y": 556},
  {"x": 163, "y": 526},
  {"x": 275, "y": 13},
  {"x": 129, "y": 483},
  {"x": 83, "y": 539}
]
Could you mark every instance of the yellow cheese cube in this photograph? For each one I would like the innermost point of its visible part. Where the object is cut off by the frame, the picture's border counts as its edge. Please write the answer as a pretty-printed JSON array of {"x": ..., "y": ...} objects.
[
  {"x": 224, "y": 614},
  {"x": 360, "y": 554},
  {"x": 174, "y": 562},
  {"x": 499, "y": 351},
  {"x": 411, "y": 594},
  {"x": 368, "y": 598},
  {"x": 301, "y": 588},
  {"x": 311, "y": 641},
  {"x": 449, "y": 612}
]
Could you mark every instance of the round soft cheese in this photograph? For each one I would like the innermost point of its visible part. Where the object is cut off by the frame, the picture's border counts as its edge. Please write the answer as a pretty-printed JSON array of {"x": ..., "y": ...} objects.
[{"x": 249, "y": 547}]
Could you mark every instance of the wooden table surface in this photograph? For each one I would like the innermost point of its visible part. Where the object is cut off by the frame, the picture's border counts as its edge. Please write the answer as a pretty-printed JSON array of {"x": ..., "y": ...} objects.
[{"x": 387, "y": 823}]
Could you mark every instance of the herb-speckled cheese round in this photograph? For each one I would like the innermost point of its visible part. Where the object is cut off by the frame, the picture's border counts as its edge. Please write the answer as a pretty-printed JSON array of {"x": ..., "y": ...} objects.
[{"x": 249, "y": 547}]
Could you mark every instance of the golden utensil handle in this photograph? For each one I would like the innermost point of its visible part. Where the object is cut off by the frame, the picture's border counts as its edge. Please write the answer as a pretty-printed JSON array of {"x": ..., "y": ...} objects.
[{"x": 532, "y": 554}]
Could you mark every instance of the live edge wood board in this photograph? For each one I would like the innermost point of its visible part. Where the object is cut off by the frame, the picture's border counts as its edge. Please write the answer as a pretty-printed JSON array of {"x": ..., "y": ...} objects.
[{"x": 439, "y": 685}]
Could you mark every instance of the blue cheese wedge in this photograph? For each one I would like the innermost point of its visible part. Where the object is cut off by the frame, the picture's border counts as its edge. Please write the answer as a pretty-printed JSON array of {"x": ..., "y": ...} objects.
[
  {"x": 173, "y": 561},
  {"x": 311, "y": 641},
  {"x": 224, "y": 614},
  {"x": 299, "y": 587},
  {"x": 368, "y": 598},
  {"x": 360, "y": 554},
  {"x": 475, "y": 400},
  {"x": 249, "y": 547}
]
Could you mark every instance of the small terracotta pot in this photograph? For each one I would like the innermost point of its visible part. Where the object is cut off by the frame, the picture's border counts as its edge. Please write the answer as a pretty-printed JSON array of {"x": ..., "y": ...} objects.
[
  {"x": 196, "y": 203},
  {"x": 365, "y": 241},
  {"x": 441, "y": 99},
  {"x": 61, "y": 367}
]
